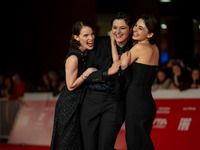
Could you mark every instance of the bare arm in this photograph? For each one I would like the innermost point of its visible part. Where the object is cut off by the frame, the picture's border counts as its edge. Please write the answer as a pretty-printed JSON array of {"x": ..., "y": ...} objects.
[
  {"x": 115, "y": 55},
  {"x": 125, "y": 60},
  {"x": 71, "y": 71},
  {"x": 130, "y": 56}
]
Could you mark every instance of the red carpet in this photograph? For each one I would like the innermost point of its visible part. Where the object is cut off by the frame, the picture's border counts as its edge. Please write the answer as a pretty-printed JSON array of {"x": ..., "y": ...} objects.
[{"x": 25, "y": 147}]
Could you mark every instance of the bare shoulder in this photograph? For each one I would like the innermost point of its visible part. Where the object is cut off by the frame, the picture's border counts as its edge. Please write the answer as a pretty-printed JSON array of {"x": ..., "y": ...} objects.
[
  {"x": 141, "y": 48},
  {"x": 136, "y": 47},
  {"x": 71, "y": 63},
  {"x": 72, "y": 59}
]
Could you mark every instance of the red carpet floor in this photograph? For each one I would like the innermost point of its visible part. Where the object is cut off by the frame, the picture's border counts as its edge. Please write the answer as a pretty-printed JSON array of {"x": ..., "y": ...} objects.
[{"x": 24, "y": 147}]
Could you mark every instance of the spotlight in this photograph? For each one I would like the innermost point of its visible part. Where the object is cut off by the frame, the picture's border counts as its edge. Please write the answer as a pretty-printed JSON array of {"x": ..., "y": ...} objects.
[
  {"x": 163, "y": 26},
  {"x": 165, "y": 1}
]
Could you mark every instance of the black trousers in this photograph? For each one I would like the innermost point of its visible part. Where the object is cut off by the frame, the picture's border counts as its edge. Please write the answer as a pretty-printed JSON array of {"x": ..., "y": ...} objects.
[{"x": 101, "y": 119}]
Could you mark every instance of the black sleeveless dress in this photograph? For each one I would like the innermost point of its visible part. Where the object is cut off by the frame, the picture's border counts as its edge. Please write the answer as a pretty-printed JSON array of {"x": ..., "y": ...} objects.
[
  {"x": 66, "y": 130},
  {"x": 140, "y": 107}
]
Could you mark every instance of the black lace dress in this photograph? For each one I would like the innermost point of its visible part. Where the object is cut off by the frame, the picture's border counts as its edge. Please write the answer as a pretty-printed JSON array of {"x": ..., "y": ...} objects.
[{"x": 66, "y": 130}]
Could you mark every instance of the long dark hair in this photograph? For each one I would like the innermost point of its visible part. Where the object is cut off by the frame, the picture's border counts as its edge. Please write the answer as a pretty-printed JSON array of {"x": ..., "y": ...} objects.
[
  {"x": 152, "y": 25},
  {"x": 76, "y": 29}
]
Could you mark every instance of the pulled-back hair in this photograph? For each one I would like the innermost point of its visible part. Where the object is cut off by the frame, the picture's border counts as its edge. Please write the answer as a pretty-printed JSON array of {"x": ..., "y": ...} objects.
[
  {"x": 152, "y": 25},
  {"x": 125, "y": 16},
  {"x": 76, "y": 29}
]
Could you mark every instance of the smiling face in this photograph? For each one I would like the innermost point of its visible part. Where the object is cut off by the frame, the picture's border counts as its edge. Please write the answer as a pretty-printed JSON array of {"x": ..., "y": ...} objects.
[
  {"x": 86, "y": 38},
  {"x": 140, "y": 31},
  {"x": 121, "y": 31}
]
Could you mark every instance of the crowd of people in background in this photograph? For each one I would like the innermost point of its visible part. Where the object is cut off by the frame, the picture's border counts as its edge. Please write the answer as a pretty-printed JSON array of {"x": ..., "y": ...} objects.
[
  {"x": 13, "y": 85},
  {"x": 176, "y": 75},
  {"x": 50, "y": 81},
  {"x": 172, "y": 75}
]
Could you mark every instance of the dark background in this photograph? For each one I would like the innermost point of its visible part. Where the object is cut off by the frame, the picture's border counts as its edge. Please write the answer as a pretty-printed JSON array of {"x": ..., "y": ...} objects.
[{"x": 36, "y": 32}]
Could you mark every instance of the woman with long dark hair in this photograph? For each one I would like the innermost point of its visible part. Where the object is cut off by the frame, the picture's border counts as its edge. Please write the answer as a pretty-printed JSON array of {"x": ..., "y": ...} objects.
[{"x": 143, "y": 59}]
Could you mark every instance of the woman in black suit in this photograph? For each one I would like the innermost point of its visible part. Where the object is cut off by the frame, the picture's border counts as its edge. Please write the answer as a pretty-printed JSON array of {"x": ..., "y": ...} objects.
[{"x": 102, "y": 111}]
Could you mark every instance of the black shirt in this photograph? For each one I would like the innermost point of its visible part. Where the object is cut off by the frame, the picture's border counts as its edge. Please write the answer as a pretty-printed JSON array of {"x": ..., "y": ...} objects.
[{"x": 101, "y": 58}]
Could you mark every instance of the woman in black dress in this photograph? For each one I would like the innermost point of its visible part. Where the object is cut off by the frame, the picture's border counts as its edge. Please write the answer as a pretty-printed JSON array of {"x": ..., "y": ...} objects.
[
  {"x": 66, "y": 131},
  {"x": 143, "y": 59}
]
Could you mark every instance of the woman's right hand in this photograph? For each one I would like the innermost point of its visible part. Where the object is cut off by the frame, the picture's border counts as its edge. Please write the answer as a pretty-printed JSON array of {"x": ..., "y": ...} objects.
[{"x": 89, "y": 71}]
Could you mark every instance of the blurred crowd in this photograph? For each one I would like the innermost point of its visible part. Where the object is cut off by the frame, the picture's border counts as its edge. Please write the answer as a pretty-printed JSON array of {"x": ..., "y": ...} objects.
[
  {"x": 176, "y": 75},
  {"x": 13, "y": 86},
  {"x": 172, "y": 75}
]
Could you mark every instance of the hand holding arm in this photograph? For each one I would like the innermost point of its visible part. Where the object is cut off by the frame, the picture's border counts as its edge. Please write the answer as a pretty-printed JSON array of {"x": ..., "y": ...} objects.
[
  {"x": 71, "y": 71},
  {"x": 87, "y": 72}
]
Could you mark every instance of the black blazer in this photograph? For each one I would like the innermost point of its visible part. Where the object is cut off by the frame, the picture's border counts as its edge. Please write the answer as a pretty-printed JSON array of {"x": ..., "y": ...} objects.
[{"x": 101, "y": 58}]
